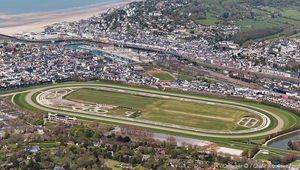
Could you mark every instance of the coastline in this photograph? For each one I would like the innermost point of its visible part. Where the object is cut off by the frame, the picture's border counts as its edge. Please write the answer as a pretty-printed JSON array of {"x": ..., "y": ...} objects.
[{"x": 35, "y": 22}]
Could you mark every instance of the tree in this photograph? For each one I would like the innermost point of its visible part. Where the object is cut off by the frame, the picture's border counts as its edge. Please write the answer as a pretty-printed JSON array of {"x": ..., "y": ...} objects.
[
  {"x": 81, "y": 133},
  {"x": 14, "y": 159},
  {"x": 6, "y": 135},
  {"x": 86, "y": 160},
  {"x": 39, "y": 122},
  {"x": 225, "y": 15},
  {"x": 293, "y": 144},
  {"x": 275, "y": 158},
  {"x": 126, "y": 139},
  {"x": 16, "y": 138},
  {"x": 33, "y": 165},
  {"x": 38, "y": 158},
  {"x": 254, "y": 150},
  {"x": 150, "y": 163},
  {"x": 174, "y": 153},
  {"x": 59, "y": 130},
  {"x": 171, "y": 141},
  {"x": 119, "y": 138},
  {"x": 289, "y": 158},
  {"x": 245, "y": 153},
  {"x": 194, "y": 153}
]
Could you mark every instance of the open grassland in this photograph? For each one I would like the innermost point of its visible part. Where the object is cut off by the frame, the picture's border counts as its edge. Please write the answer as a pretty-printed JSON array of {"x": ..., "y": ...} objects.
[
  {"x": 112, "y": 164},
  {"x": 250, "y": 24},
  {"x": 289, "y": 118},
  {"x": 168, "y": 111},
  {"x": 115, "y": 165},
  {"x": 264, "y": 156},
  {"x": 292, "y": 13},
  {"x": 295, "y": 163},
  {"x": 19, "y": 100},
  {"x": 185, "y": 77},
  {"x": 163, "y": 76},
  {"x": 296, "y": 36},
  {"x": 208, "y": 20}
]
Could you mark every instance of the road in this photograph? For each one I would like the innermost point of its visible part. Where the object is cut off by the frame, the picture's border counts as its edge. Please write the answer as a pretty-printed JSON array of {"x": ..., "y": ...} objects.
[{"x": 276, "y": 129}]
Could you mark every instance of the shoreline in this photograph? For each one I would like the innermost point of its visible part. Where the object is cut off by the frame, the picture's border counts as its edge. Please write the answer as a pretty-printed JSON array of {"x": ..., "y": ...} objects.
[{"x": 35, "y": 22}]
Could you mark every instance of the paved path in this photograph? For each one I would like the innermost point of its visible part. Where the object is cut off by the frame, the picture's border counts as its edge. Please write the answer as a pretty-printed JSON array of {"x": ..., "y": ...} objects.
[{"x": 276, "y": 129}]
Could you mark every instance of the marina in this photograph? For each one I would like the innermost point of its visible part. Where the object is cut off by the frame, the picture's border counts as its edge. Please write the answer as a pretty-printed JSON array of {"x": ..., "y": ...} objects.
[{"x": 99, "y": 52}]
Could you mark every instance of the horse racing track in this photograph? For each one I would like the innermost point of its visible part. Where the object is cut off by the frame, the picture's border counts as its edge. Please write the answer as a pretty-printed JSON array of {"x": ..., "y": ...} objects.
[{"x": 159, "y": 110}]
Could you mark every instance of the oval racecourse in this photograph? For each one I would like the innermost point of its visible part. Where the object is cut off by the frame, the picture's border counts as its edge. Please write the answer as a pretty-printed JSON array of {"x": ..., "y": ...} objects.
[{"x": 160, "y": 110}]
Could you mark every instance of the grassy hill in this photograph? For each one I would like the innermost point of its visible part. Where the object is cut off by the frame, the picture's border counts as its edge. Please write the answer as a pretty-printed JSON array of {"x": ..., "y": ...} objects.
[{"x": 258, "y": 19}]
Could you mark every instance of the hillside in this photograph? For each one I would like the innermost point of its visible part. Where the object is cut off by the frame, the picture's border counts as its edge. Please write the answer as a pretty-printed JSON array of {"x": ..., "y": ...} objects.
[{"x": 256, "y": 19}]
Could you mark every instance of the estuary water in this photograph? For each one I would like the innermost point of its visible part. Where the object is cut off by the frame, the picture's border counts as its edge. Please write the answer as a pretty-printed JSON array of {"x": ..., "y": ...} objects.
[
  {"x": 109, "y": 57},
  {"x": 11, "y": 7},
  {"x": 281, "y": 143}
]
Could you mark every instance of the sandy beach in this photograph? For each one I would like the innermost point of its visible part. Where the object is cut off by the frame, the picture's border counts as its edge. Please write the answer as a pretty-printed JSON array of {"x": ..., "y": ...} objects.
[{"x": 35, "y": 22}]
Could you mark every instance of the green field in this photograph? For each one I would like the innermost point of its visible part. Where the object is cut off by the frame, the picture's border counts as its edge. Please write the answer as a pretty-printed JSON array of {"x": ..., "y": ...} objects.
[
  {"x": 264, "y": 156},
  {"x": 296, "y": 36},
  {"x": 184, "y": 77},
  {"x": 112, "y": 164},
  {"x": 168, "y": 111},
  {"x": 209, "y": 20},
  {"x": 295, "y": 163},
  {"x": 163, "y": 76},
  {"x": 250, "y": 24},
  {"x": 253, "y": 19},
  {"x": 19, "y": 99},
  {"x": 289, "y": 118}
]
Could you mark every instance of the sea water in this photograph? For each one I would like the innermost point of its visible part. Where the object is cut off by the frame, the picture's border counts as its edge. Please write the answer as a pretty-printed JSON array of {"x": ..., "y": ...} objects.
[{"x": 10, "y": 7}]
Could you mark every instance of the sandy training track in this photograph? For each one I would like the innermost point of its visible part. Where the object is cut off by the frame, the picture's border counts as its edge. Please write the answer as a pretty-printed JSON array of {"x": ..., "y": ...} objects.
[{"x": 155, "y": 125}]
